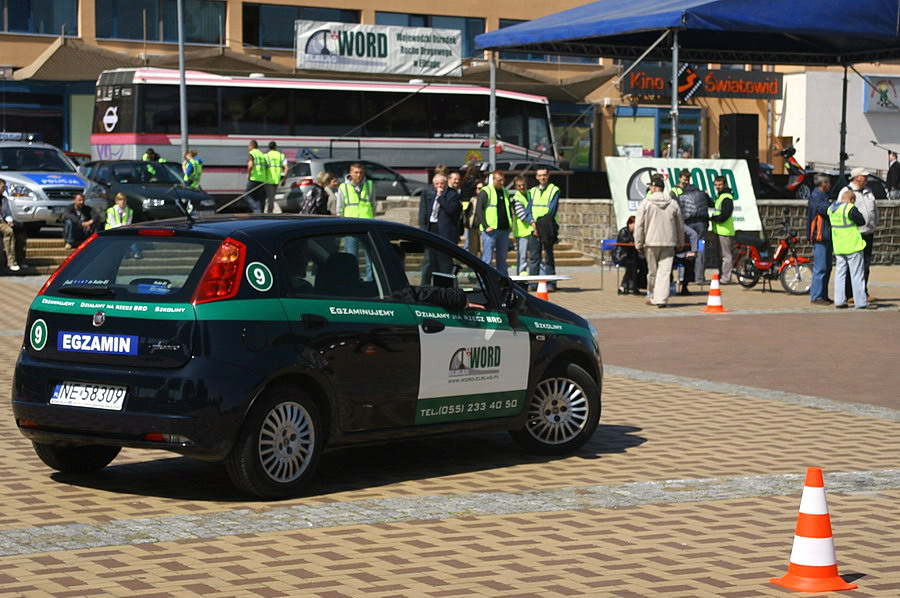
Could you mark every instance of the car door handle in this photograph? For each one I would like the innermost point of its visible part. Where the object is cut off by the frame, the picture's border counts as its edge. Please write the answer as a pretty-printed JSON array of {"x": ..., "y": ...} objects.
[
  {"x": 312, "y": 321},
  {"x": 432, "y": 326}
]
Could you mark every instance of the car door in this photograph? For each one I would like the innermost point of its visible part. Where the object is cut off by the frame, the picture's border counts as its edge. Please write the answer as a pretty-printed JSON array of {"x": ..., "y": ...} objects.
[
  {"x": 474, "y": 360},
  {"x": 386, "y": 181},
  {"x": 347, "y": 326}
]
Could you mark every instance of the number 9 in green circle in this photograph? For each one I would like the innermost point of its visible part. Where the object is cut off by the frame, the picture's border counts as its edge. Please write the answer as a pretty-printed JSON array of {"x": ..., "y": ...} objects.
[
  {"x": 38, "y": 335},
  {"x": 259, "y": 276}
]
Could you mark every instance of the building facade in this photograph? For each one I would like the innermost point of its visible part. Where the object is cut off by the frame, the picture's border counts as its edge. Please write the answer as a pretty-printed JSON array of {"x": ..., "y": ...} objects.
[{"x": 51, "y": 52}]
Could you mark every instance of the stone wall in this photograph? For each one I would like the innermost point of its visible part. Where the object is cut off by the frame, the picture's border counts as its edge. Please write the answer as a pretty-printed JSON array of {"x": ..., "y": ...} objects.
[{"x": 584, "y": 222}]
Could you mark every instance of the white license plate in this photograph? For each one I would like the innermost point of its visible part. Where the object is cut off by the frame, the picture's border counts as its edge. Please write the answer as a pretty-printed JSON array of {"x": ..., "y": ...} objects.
[
  {"x": 94, "y": 396},
  {"x": 279, "y": 196}
]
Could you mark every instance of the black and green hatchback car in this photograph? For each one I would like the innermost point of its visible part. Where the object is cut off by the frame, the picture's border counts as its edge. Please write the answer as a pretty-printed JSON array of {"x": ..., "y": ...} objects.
[{"x": 261, "y": 340}]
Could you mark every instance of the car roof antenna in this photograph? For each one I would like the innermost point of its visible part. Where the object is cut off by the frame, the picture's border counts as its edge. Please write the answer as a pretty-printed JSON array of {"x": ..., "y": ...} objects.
[{"x": 183, "y": 204}]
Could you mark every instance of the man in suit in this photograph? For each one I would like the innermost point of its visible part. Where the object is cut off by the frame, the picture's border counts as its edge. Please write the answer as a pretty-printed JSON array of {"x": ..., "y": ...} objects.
[
  {"x": 439, "y": 213},
  {"x": 893, "y": 176}
]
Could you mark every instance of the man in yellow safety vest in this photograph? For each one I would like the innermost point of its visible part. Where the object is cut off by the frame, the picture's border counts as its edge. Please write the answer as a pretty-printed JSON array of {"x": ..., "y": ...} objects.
[
  {"x": 723, "y": 225},
  {"x": 276, "y": 168},
  {"x": 257, "y": 177},
  {"x": 849, "y": 244},
  {"x": 495, "y": 221},
  {"x": 542, "y": 205}
]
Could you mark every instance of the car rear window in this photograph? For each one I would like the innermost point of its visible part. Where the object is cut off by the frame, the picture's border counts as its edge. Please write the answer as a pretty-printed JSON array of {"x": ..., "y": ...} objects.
[
  {"x": 136, "y": 268},
  {"x": 299, "y": 169}
]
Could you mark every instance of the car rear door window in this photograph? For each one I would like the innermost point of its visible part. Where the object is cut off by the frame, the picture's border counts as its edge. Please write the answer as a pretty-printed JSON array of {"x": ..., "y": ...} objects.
[{"x": 332, "y": 266}]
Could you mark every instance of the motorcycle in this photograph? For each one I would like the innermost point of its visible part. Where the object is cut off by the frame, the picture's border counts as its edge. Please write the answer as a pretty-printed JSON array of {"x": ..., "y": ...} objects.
[
  {"x": 752, "y": 261},
  {"x": 798, "y": 182}
]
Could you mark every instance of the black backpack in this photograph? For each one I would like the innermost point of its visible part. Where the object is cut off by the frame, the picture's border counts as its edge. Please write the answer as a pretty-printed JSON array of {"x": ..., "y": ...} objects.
[
  {"x": 693, "y": 204},
  {"x": 315, "y": 202}
]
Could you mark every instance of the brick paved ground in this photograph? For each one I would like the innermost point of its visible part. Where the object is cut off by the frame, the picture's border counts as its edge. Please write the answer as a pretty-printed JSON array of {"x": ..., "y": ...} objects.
[{"x": 690, "y": 487}]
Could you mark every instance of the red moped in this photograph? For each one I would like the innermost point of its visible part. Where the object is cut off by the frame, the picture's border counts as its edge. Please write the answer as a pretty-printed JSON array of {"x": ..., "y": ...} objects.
[{"x": 754, "y": 260}]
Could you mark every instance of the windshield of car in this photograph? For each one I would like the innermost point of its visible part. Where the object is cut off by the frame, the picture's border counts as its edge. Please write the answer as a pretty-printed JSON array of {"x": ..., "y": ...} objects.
[
  {"x": 33, "y": 159},
  {"x": 136, "y": 268},
  {"x": 138, "y": 173}
]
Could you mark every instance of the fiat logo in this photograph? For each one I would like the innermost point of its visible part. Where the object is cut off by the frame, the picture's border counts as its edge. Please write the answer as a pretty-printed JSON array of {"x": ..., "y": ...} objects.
[{"x": 98, "y": 319}]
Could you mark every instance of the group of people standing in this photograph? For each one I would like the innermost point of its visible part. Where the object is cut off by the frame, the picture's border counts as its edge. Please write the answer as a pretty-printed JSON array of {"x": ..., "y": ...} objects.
[
  {"x": 265, "y": 172},
  {"x": 843, "y": 231},
  {"x": 670, "y": 227},
  {"x": 460, "y": 204}
]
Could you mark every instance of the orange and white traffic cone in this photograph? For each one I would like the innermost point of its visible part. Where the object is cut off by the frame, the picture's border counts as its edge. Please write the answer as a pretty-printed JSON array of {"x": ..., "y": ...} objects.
[
  {"x": 542, "y": 291},
  {"x": 714, "y": 301},
  {"x": 813, "y": 566}
]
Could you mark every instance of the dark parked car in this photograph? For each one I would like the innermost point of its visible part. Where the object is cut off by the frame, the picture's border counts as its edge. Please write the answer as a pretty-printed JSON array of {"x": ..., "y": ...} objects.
[
  {"x": 261, "y": 340},
  {"x": 152, "y": 188}
]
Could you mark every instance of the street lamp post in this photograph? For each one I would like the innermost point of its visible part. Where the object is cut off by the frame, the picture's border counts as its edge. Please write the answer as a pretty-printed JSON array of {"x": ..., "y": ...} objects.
[{"x": 182, "y": 86}]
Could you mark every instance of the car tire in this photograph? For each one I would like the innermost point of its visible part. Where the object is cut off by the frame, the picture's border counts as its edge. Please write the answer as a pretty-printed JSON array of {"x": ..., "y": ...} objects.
[
  {"x": 562, "y": 412},
  {"x": 76, "y": 459},
  {"x": 278, "y": 448}
]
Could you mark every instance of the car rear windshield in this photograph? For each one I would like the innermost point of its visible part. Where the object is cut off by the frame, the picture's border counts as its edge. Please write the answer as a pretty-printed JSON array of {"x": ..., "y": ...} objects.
[
  {"x": 136, "y": 268},
  {"x": 299, "y": 169}
]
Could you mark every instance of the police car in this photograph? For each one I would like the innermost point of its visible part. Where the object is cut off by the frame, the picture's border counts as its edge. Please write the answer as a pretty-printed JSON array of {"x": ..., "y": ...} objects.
[
  {"x": 41, "y": 180},
  {"x": 260, "y": 340}
]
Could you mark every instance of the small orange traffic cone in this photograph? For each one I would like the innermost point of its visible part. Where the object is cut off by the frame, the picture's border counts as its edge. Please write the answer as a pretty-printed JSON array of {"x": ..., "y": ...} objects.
[
  {"x": 542, "y": 291},
  {"x": 714, "y": 301},
  {"x": 813, "y": 565}
]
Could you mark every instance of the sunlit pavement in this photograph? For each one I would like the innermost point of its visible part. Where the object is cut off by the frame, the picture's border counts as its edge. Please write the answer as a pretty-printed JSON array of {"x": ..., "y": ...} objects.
[{"x": 690, "y": 487}]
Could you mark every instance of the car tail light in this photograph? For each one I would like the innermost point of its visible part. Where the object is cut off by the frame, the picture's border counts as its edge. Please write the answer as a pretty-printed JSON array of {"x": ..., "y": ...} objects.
[
  {"x": 222, "y": 278},
  {"x": 157, "y": 232},
  {"x": 68, "y": 259},
  {"x": 304, "y": 182}
]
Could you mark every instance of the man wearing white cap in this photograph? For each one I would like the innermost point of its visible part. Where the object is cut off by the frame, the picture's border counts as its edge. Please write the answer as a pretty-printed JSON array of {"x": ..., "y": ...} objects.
[{"x": 865, "y": 203}]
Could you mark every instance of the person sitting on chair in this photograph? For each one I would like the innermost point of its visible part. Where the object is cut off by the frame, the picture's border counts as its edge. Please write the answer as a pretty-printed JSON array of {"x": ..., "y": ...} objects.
[{"x": 626, "y": 256}]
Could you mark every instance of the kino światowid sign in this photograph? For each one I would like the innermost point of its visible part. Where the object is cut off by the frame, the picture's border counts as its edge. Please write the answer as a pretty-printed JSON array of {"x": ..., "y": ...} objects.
[{"x": 701, "y": 82}]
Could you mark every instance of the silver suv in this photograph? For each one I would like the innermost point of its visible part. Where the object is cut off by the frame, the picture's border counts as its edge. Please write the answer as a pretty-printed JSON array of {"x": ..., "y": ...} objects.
[
  {"x": 301, "y": 176},
  {"x": 41, "y": 181}
]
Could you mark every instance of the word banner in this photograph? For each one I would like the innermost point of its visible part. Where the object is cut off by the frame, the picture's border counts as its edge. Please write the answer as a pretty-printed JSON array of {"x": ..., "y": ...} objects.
[
  {"x": 385, "y": 49},
  {"x": 629, "y": 182}
]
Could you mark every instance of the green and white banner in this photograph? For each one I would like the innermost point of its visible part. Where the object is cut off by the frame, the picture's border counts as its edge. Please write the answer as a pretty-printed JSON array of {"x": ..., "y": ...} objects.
[
  {"x": 385, "y": 49},
  {"x": 629, "y": 180}
]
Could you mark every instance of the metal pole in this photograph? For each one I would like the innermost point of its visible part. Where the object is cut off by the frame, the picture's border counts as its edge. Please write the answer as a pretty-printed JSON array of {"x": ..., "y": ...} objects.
[
  {"x": 673, "y": 147},
  {"x": 492, "y": 117},
  {"x": 843, "y": 150},
  {"x": 182, "y": 86}
]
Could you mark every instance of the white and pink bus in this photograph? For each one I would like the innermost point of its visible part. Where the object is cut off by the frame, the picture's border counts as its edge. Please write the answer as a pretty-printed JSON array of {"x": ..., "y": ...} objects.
[{"x": 408, "y": 126}]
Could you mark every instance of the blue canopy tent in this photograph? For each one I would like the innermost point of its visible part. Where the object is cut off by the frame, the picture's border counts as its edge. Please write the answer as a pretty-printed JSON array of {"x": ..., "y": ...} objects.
[{"x": 799, "y": 32}]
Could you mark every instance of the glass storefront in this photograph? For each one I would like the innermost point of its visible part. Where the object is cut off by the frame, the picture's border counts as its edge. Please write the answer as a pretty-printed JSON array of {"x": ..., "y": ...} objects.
[{"x": 647, "y": 132}]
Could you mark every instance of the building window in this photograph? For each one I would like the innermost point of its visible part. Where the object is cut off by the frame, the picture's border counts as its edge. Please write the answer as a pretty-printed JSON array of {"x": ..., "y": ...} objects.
[
  {"x": 468, "y": 26},
  {"x": 39, "y": 16},
  {"x": 204, "y": 20},
  {"x": 272, "y": 26}
]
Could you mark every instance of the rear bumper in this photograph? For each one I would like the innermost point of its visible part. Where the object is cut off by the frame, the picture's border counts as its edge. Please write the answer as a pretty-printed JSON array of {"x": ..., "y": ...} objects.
[{"x": 199, "y": 413}]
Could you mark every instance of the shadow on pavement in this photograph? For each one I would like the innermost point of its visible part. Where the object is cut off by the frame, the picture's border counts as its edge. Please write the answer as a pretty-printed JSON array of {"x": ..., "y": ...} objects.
[{"x": 347, "y": 469}]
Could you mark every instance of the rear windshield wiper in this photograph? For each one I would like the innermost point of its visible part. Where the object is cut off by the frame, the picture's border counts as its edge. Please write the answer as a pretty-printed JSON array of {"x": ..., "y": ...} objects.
[{"x": 87, "y": 290}]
